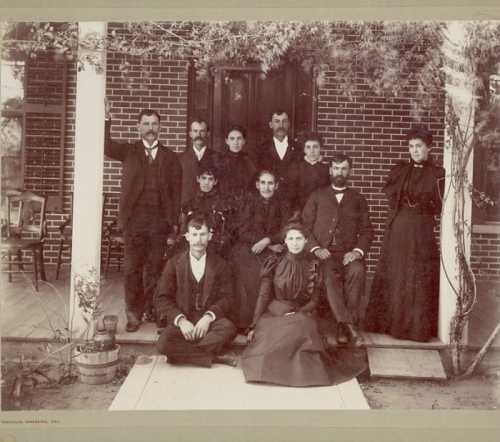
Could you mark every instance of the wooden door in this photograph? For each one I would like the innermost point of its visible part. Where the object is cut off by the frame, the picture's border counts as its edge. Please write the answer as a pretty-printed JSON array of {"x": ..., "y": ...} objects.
[{"x": 245, "y": 96}]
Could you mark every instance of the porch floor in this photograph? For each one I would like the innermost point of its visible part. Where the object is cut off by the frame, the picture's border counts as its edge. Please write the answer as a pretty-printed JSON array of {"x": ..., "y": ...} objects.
[
  {"x": 28, "y": 315},
  {"x": 152, "y": 384}
]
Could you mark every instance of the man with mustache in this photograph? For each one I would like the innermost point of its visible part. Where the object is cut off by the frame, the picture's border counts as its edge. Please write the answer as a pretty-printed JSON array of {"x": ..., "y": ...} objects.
[
  {"x": 197, "y": 156},
  {"x": 194, "y": 299},
  {"x": 279, "y": 155},
  {"x": 341, "y": 236},
  {"x": 149, "y": 210}
]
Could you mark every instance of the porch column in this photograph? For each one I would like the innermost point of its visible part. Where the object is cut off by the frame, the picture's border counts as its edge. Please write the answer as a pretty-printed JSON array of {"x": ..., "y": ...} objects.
[
  {"x": 88, "y": 167},
  {"x": 459, "y": 95}
]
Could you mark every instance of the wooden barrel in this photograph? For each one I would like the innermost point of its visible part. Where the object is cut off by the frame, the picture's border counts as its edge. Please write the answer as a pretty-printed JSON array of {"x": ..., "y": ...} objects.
[{"x": 98, "y": 367}]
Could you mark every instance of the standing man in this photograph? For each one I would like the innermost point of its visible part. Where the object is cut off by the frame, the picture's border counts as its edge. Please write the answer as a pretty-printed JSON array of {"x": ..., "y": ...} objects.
[
  {"x": 341, "y": 235},
  {"x": 279, "y": 155},
  {"x": 149, "y": 209},
  {"x": 195, "y": 156},
  {"x": 194, "y": 298}
]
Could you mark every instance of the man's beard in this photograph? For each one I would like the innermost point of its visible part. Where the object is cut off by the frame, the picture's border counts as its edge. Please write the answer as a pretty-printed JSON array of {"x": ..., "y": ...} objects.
[{"x": 339, "y": 181}]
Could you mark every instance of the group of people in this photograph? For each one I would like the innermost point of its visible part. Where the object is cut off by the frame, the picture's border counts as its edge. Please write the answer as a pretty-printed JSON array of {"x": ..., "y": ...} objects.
[{"x": 262, "y": 242}]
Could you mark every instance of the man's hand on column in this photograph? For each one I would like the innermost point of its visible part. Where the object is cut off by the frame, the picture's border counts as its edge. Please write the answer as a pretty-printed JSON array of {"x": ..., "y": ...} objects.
[{"x": 107, "y": 109}]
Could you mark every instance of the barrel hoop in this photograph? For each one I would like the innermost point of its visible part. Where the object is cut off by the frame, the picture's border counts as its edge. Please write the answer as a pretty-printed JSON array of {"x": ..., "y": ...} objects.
[{"x": 107, "y": 364}]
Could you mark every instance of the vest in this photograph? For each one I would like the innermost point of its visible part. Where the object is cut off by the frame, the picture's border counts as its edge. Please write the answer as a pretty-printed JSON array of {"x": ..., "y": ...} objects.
[{"x": 148, "y": 213}]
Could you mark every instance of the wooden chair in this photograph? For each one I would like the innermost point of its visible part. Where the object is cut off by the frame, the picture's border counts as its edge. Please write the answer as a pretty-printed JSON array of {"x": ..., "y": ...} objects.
[
  {"x": 66, "y": 236},
  {"x": 24, "y": 231},
  {"x": 115, "y": 242}
]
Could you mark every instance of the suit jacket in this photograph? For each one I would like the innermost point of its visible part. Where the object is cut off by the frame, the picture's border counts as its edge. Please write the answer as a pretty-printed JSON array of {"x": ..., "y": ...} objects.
[
  {"x": 190, "y": 168},
  {"x": 174, "y": 296},
  {"x": 429, "y": 191},
  {"x": 134, "y": 163},
  {"x": 348, "y": 222}
]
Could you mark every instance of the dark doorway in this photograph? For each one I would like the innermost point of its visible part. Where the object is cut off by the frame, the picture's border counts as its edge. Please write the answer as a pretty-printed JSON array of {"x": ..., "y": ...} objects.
[{"x": 245, "y": 96}]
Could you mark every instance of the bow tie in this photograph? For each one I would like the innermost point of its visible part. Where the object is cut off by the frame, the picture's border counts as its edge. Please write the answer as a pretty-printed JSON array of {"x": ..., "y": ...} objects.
[{"x": 417, "y": 165}]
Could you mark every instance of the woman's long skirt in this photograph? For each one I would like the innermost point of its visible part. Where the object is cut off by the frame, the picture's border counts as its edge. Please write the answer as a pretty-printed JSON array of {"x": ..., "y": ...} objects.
[{"x": 405, "y": 292}]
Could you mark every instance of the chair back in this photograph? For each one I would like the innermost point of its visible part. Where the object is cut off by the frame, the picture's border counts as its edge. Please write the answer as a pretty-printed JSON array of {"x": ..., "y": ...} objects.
[{"x": 26, "y": 215}]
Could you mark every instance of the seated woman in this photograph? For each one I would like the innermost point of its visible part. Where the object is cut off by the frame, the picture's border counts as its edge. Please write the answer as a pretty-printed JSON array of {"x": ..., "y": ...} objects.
[
  {"x": 285, "y": 346},
  {"x": 258, "y": 231}
]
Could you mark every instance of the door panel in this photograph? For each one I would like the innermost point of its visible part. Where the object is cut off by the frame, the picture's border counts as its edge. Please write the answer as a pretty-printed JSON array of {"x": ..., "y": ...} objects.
[{"x": 246, "y": 96}]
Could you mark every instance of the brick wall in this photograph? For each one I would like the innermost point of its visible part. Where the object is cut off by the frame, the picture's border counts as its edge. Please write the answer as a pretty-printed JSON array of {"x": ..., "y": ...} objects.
[
  {"x": 485, "y": 255},
  {"x": 371, "y": 130}
]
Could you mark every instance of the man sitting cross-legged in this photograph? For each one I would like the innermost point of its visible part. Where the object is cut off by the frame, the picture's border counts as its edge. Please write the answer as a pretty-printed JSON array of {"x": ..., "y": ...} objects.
[{"x": 194, "y": 296}]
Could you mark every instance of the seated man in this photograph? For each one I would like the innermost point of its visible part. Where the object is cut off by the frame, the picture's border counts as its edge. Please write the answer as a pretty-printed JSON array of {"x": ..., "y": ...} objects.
[
  {"x": 209, "y": 202},
  {"x": 338, "y": 218},
  {"x": 194, "y": 296}
]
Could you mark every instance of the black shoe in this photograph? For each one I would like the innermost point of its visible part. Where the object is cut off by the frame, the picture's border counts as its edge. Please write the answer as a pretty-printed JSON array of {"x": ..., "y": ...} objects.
[
  {"x": 354, "y": 337},
  {"x": 149, "y": 316},
  {"x": 343, "y": 334},
  {"x": 227, "y": 359},
  {"x": 133, "y": 324},
  {"x": 347, "y": 334}
]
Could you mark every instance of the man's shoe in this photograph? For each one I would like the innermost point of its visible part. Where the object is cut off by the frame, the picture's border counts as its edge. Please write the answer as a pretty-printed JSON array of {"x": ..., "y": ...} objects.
[
  {"x": 354, "y": 337},
  {"x": 227, "y": 359},
  {"x": 343, "y": 334},
  {"x": 133, "y": 323}
]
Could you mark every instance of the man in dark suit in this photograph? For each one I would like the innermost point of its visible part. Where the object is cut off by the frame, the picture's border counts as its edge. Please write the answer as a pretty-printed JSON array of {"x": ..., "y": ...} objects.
[
  {"x": 149, "y": 210},
  {"x": 195, "y": 156},
  {"x": 338, "y": 219},
  {"x": 194, "y": 296},
  {"x": 278, "y": 154}
]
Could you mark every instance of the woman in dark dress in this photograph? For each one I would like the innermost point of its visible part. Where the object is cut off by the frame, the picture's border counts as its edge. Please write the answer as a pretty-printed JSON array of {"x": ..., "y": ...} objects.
[
  {"x": 310, "y": 173},
  {"x": 285, "y": 346},
  {"x": 405, "y": 292},
  {"x": 235, "y": 168},
  {"x": 259, "y": 235}
]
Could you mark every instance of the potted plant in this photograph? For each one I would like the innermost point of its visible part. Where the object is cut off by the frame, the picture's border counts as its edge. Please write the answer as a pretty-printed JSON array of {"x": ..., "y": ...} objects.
[{"x": 97, "y": 356}]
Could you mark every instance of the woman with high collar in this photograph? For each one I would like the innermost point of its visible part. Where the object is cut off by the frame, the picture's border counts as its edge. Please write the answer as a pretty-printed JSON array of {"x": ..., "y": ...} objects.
[
  {"x": 405, "y": 291},
  {"x": 285, "y": 345}
]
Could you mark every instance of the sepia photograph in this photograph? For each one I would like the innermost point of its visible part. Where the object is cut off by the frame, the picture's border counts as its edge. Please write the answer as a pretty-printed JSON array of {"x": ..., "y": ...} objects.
[{"x": 250, "y": 215}]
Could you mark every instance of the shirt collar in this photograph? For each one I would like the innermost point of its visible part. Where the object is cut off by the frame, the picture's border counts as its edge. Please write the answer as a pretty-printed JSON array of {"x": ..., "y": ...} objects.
[
  {"x": 199, "y": 153},
  {"x": 312, "y": 163},
  {"x": 153, "y": 146},
  {"x": 339, "y": 188},
  {"x": 281, "y": 143},
  {"x": 200, "y": 260}
]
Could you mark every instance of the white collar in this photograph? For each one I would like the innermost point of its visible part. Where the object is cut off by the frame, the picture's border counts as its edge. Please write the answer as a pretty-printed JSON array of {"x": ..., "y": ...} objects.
[
  {"x": 199, "y": 153},
  {"x": 198, "y": 265},
  {"x": 153, "y": 146},
  {"x": 339, "y": 188}
]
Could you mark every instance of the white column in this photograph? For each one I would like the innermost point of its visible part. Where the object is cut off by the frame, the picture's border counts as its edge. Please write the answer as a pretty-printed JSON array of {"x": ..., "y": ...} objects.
[
  {"x": 88, "y": 167},
  {"x": 459, "y": 94}
]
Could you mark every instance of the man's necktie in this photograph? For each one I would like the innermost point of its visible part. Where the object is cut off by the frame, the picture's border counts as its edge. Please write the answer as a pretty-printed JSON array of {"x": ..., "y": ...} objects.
[
  {"x": 149, "y": 154},
  {"x": 339, "y": 192}
]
